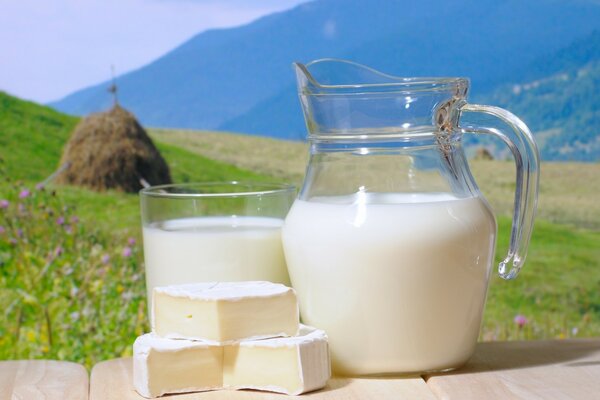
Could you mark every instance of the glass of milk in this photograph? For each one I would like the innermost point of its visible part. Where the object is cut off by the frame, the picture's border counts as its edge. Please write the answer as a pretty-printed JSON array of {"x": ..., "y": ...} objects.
[{"x": 221, "y": 231}]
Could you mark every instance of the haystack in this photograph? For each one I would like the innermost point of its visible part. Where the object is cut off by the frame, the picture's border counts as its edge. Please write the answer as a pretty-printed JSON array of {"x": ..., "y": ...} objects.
[
  {"x": 111, "y": 150},
  {"x": 483, "y": 154}
]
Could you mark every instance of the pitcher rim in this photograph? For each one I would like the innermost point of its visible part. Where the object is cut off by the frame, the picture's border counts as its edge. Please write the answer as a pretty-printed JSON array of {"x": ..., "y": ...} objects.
[{"x": 400, "y": 84}]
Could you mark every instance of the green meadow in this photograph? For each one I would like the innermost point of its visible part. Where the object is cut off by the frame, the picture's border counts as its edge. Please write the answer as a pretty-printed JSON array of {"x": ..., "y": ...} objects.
[{"x": 71, "y": 265}]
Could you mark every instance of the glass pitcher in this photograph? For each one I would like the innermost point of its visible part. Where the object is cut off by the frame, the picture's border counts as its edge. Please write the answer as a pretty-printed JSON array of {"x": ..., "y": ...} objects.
[{"x": 390, "y": 243}]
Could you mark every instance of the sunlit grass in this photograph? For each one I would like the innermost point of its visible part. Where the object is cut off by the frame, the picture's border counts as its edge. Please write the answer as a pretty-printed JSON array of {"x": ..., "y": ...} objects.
[{"x": 558, "y": 290}]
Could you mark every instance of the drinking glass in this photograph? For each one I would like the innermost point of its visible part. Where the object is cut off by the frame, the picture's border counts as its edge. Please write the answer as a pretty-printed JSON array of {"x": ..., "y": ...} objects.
[{"x": 217, "y": 231}]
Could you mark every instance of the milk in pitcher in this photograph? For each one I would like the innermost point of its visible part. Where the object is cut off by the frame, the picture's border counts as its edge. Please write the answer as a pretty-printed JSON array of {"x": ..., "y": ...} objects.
[{"x": 398, "y": 281}]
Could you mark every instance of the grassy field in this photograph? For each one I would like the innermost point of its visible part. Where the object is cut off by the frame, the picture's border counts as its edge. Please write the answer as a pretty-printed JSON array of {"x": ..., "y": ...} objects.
[
  {"x": 568, "y": 191},
  {"x": 71, "y": 271}
]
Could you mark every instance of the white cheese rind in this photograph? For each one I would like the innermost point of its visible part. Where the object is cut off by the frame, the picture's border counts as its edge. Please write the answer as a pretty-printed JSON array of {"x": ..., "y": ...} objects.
[
  {"x": 231, "y": 291},
  {"x": 315, "y": 362},
  {"x": 306, "y": 334},
  {"x": 310, "y": 364},
  {"x": 140, "y": 372},
  {"x": 225, "y": 312}
]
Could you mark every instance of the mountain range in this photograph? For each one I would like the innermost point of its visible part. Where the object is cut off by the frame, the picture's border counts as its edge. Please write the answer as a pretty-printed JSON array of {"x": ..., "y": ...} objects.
[
  {"x": 537, "y": 58},
  {"x": 559, "y": 96}
]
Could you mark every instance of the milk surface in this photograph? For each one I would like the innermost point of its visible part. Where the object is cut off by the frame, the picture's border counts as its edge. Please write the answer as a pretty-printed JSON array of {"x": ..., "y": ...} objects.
[
  {"x": 398, "y": 282},
  {"x": 214, "y": 249}
]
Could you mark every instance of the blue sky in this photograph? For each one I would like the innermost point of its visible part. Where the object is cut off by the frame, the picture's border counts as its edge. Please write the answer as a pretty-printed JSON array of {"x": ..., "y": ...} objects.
[{"x": 50, "y": 48}]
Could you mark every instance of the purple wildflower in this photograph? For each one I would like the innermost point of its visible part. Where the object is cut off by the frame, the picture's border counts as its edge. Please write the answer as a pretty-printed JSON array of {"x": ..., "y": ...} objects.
[
  {"x": 24, "y": 194},
  {"x": 127, "y": 252},
  {"x": 4, "y": 203},
  {"x": 74, "y": 219},
  {"x": 105, "y": 259},
  {"x": 520, "y": 320},
  {"x": 58, "y": 251},
  {"x": 68, "y": 229},
  {"x": 131, "y": 241},
  {"x": 13, "y": 241},
  {"x": 60, "y": 220},
  {"x": 39, "y": 186},
  {"x": 2, "y": 229},
  {"x": 20, "y": 232}
]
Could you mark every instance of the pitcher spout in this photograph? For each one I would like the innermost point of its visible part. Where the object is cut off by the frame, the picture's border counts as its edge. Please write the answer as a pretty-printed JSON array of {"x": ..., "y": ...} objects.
[{"x": 344, "y": 97}]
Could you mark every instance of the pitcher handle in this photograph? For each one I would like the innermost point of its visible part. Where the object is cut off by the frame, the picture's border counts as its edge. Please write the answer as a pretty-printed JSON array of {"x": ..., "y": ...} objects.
[{"x": 524, "y": 149}]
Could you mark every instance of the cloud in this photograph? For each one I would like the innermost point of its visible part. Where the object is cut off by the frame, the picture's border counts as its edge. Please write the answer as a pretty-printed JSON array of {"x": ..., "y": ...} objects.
[{"x": 329, "y": 29}]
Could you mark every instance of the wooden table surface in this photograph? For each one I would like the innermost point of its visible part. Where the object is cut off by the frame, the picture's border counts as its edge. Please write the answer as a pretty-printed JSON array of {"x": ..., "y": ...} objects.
[
  {"x": 43, "y": 379},
  {"x": 566, "y": 369}
]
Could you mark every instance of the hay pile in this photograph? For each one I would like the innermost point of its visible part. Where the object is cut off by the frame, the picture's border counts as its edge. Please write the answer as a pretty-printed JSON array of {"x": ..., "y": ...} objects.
[
  {"x": 111, "y": 150},
  {"x": 483, "y": 154}
]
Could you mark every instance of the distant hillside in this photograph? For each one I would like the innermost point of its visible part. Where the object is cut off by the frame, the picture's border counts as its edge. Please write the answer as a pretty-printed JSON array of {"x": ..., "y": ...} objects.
[
  {"x": 559, "y": 97},
  {"x": 557, "y": 94},
  {"x": 31, "y": 137},
  {"x": 241, "y": 79}
]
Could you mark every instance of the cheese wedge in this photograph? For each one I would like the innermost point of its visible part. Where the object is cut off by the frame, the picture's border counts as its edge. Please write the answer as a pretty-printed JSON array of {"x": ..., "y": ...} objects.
[
  {"x": 291, "y": 365},
  {"x": 225, "y": 312},
  {"x": 163, "y": 366}
]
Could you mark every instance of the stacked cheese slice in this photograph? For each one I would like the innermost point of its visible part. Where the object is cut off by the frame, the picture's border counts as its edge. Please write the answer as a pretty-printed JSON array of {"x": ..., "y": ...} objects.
[{"x": 237, "y": 335}]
